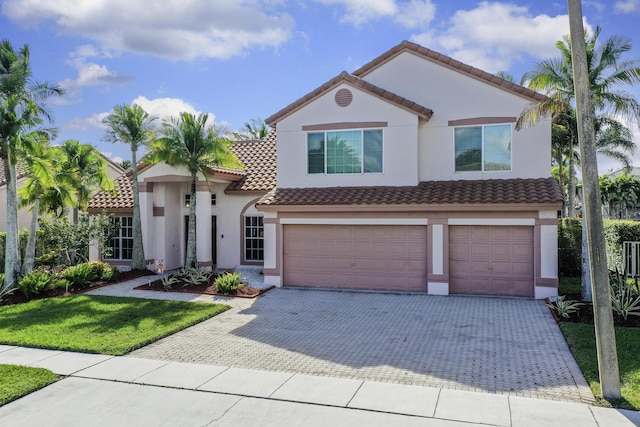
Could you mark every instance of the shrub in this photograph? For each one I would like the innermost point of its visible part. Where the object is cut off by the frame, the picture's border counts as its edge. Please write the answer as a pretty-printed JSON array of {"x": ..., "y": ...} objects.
[
  {"x": 79, "y": 275},
  {"x": 228, "y": 283},
  {"x": 168, "y": 282},
  {"x": 195, "y": 276},
  {"x": 569, "y": 247},
  {"x": 617, "y": 232},
  {"x": 103, "y": 271},
  {"x": 565, "y": 308},
  {"x": 35, "y": 282},
  {"x": 625, "y": 297}
]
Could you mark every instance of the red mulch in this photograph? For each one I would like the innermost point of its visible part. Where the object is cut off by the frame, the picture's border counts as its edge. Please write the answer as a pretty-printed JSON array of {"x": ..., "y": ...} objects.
[
  {"x": 585, "y": 315},
  {"x": 244, "y": 291},
  {"x": 18, "y": 297}
]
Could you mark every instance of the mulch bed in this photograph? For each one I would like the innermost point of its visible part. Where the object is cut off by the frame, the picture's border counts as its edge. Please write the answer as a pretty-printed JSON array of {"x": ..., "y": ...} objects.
[
  {"x": 585, "y": 315},
  {"x": 244, "y": 291},
  {"x": 18, "y": 297}
]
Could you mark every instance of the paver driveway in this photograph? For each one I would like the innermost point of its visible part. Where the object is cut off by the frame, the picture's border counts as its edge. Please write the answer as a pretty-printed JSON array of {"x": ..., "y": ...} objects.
[{"x": 497, "y": 345}]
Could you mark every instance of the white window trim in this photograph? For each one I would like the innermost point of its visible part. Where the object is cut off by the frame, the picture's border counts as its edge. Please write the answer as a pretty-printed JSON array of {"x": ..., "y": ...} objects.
[
  {"x": 482, "y": 126},
  {"x": 244, "y": 236},
  {"x": 325, "y": 152},
  {"x": 120, "y": 239}
]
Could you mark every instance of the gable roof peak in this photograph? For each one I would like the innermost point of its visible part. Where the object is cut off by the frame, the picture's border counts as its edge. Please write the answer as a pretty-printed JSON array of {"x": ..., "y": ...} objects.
[
  {"x": 453, "y": 64},
  {"x": 357, "y": 83}
]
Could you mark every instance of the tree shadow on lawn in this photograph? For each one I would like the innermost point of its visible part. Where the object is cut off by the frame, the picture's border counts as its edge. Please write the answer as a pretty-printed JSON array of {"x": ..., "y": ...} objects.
[
  {"x": 63, "y": 323},
  {"x": 494, "y": 344}
]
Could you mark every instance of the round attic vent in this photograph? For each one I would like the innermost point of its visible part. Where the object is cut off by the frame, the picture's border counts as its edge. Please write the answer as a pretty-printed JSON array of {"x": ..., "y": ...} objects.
[{"x": 344, "y": 97}]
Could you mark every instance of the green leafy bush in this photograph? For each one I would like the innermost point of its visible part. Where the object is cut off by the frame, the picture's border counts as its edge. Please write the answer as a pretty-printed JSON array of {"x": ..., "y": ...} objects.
[
  {"x": 616, "y": 232},
  {"x": 103, "y": 271},
  {"x": 228, "y": 283},
  {"x": 569, "y": 247},
  {"x": 195, "y": 276},
  {"x": 35, "y": 282},
  {"x": 80, "y": 275}
]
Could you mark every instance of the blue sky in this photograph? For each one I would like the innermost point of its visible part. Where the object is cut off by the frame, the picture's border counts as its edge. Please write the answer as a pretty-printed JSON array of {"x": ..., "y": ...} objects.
[{"x": 240, "y": 59}]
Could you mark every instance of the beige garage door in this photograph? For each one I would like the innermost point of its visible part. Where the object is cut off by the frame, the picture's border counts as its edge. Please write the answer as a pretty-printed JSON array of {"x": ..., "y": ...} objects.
[
  {"x": 491, "y": 260},
  {"x": 380, "y": 257}
]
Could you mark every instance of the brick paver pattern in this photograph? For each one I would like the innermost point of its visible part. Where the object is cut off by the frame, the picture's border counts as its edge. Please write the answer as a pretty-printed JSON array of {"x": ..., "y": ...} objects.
[{"x": 496, "y": 345}]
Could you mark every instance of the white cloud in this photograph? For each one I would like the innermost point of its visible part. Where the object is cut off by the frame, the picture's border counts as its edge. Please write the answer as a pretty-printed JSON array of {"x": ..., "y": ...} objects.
[
  {"x": 176, "y": 30},
  {"x": 409, "y": 14},
  {"x": 494, "y": 35},
  {"x": 114, "y": 159},
  {"x": 358, "y": 12},
  {"x": 95, "y": 121},
  {"x": 162, "y": 108},
  {"x": 416, "y": 14},
  {"x": 87, "y": 74},
  {"x": 627, "y": 6}
]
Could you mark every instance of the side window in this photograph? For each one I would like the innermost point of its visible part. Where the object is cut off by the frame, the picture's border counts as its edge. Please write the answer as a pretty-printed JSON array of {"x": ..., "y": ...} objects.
[
  {"x": 345, "y": 152},
  {"x": 483, "y": 148}
]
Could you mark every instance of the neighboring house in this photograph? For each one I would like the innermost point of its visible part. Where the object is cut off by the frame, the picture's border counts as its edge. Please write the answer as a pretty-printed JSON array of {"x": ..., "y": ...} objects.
[
  {"x": 24, "y": 215},
  {"x": 229, "y": 228},
  {"x": 409, "y": 175}
]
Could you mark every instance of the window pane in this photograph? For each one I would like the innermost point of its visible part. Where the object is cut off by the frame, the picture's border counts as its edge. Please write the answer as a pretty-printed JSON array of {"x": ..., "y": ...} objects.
[
  {"x": 468, "y": 149},
  {"x": 315, "y": 153},
  {"x": 344, "y": 152},
  {"x": 372, "y": 151},
  {"x": 497, "y": 148}
]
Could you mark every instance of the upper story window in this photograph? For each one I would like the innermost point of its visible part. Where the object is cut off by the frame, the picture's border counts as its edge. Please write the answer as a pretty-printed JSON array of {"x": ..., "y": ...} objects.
[
  {"x": 344, "y": 152},
  {"x": 483, "y": 148}
]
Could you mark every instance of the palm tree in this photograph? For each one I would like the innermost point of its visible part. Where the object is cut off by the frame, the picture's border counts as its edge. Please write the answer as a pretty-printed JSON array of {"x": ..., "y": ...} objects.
[
  {"x": 132, "y": 125},
  {"x": 38, "y": 165},
  {"x": 253, "y": 129},
  {"x": 188, "y": 141},
  {"x": 89, "y": 169},
  {"x": 607, "y": 71},
  {"x": 613, "y": 140},
  {"x": 21, "y": 109}
]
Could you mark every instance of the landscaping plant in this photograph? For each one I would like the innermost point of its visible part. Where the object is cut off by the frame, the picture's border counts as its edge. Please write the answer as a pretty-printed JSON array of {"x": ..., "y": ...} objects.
[
  {"x": 625, "y": 297},
  {"x": 565, "y": 308},
  {"x": 228, "y": 283},
  {"x": 35, "y": 282}
]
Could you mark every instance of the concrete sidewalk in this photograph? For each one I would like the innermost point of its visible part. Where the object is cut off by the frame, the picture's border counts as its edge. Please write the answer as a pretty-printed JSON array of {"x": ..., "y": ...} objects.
[{"x": 110, "y": 391}]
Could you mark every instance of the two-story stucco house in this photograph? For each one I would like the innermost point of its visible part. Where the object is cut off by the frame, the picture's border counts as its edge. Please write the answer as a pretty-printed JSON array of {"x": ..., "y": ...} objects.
[{"x": 408, "y": 175}]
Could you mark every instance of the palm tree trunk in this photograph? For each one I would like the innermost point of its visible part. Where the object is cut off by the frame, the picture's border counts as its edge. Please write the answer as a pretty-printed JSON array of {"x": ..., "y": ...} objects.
[
  {"x": 11, "y": 257},
  {"x": 571, "y": 199},
  {"x": 191, "y": 237},
  {"x": 137, "y": 258},
  {"x": 562, "y": 184},
  {"x": 30, "y": 252}
]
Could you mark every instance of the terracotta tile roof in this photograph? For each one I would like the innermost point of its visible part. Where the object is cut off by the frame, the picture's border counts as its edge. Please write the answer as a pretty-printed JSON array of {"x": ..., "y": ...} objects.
[
  {"x": 259, "y": 175},
  {"x": 354, "y": 81},
  {"x": 259, "y": 160},
  {"x": 122, "y": 199},
  {"x": 450, "y": 63},
  {"x": 541, "y": 190}
]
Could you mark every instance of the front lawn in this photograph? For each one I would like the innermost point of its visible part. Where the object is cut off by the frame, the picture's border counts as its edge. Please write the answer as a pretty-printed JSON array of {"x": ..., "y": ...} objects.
[
  {"x": 582, "y": 342},
  {"x": 17, "y": 381},
  {"x": 98, "y": 324}
]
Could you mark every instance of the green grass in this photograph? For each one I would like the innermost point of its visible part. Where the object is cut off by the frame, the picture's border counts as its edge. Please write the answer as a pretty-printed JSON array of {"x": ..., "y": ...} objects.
[
  {"x": 98, "y": 324},
  {"x": 17, "y": 381},
  {"x": 569, "y": 285},
  {"x": 582, "y": 342}
]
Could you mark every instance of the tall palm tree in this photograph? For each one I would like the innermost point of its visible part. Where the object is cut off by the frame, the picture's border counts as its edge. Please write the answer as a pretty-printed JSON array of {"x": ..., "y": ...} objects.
[
  {"x": 21, "y": 109},
  {"x": 607, "y": 72},
  {"x": 132, "y": 125},
  {"x": 190, "y": 142}
]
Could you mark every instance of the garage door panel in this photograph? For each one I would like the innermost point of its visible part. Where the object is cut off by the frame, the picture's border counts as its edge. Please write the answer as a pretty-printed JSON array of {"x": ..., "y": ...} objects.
[
  {"x": 354, "y": 256},
  {"x": 493, "y": 260}
]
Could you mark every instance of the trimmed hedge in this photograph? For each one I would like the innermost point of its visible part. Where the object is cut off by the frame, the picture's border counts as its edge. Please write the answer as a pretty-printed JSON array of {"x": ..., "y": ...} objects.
[{"x": 570, "y": 244}]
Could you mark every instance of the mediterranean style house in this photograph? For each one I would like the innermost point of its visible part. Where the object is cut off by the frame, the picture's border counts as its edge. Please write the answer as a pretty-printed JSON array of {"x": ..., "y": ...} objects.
[{"x": 405, "y": 175}]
